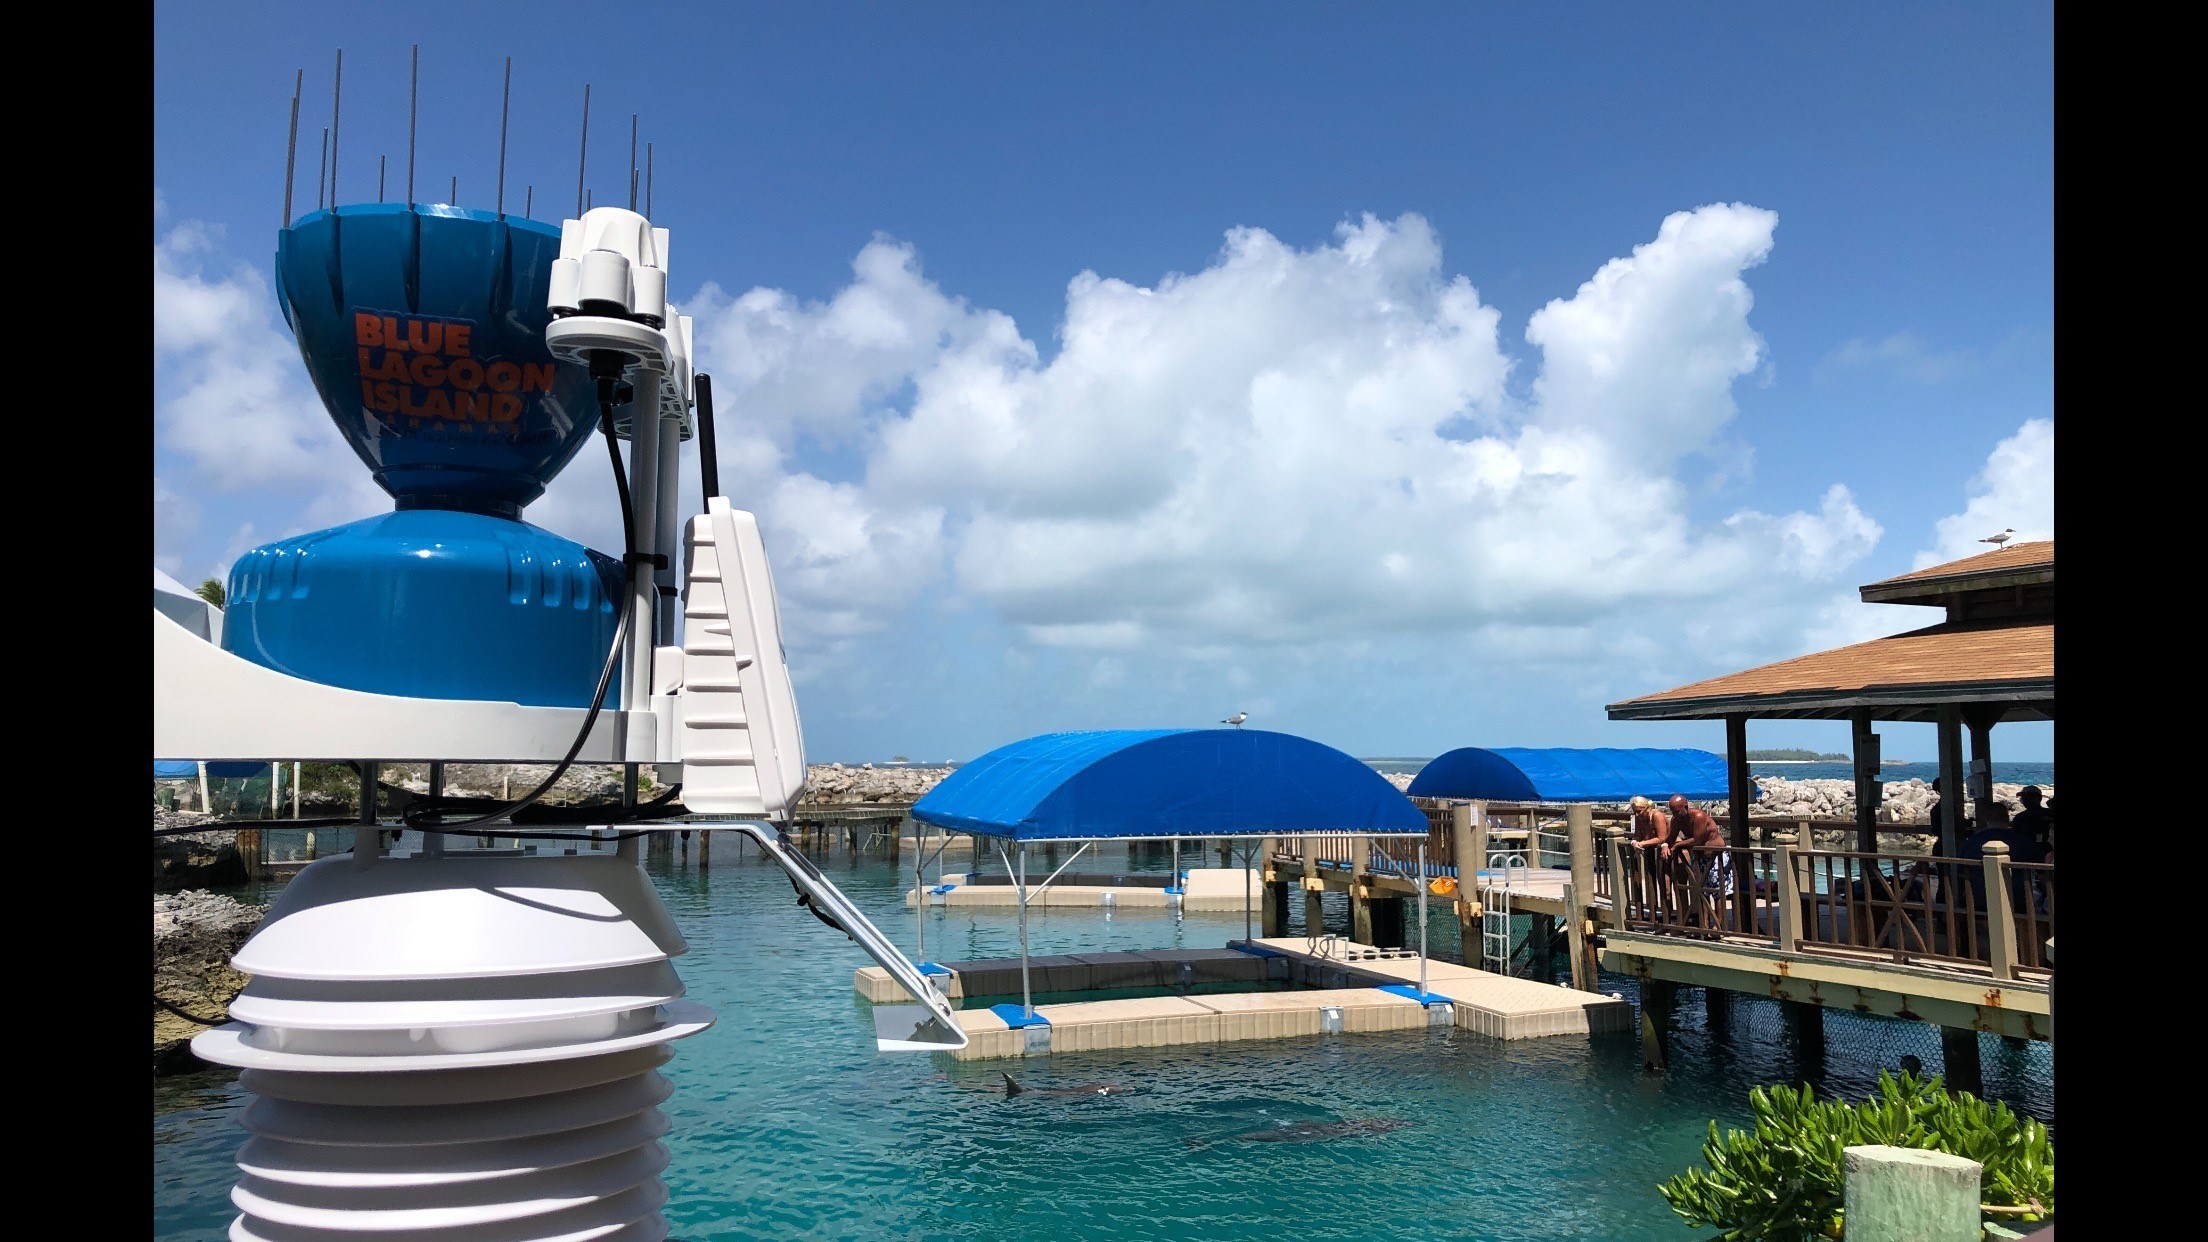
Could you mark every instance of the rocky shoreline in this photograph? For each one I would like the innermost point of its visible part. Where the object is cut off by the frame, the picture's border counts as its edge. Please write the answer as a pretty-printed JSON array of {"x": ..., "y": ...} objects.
[{"x": 194, "y": 934}]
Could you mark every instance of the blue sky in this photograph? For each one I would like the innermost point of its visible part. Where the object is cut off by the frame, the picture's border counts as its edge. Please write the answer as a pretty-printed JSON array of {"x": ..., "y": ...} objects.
[{"x": 1005, "y": 498}]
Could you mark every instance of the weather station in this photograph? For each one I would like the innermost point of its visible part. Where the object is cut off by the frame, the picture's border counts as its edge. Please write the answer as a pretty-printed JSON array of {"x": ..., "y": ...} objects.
[{"x": 452, "y": 1041}]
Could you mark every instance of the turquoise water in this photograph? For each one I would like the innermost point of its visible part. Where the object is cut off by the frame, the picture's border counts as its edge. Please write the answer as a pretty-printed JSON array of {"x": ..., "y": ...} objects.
[{"x": 789, "y": 1124}]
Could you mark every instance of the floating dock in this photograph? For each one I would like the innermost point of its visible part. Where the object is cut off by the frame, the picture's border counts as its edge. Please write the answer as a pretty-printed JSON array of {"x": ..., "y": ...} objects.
[
  {"x": 1205, "y": 889},
  {"x": 1345, "y": 988}
]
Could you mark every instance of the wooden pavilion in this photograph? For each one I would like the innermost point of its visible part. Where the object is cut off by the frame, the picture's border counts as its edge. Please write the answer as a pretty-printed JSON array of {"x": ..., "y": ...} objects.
[{"x": 1991, "y": 660}]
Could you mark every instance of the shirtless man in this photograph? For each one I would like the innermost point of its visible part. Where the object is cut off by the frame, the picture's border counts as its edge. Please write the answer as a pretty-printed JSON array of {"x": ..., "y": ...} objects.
[
  {"x": 1694, "y": 832},
  {"x": 1692, "y": 829}
]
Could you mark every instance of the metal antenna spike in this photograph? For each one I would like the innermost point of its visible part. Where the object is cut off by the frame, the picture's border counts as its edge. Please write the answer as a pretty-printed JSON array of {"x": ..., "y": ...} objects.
[
  {"x": 452, "y": 196},
  {"x": 529, "y": 204},
  {"x": 582, "y": 160},
  {"x": 505, "y": 108},
  {"x": 413, "y": 102},
  {"x": 337, "y": 99},
  {"x": 632, "y": 161},
  {"x": 291, "y": 144},
  {"x": 381, "y": 162},
  {"x": 321, "y": 173},
  {"x": 647, "y": 179}
]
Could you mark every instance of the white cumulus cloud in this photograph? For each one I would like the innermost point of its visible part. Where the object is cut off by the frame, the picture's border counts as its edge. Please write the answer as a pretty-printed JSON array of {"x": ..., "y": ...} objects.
[{"x": 2016, "y": 488}]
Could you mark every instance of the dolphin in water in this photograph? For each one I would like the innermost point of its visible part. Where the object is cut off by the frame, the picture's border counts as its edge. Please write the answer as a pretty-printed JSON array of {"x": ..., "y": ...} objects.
[
  {"x": 1315, "y": 1131},
  {"x": 1012, "y": 1087}
]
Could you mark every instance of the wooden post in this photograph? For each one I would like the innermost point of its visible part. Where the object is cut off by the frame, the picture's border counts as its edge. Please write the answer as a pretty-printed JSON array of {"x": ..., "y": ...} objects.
[
  {"x": 1790, "y": 893},
  {"x": 249, "y": 851},
  {"x": 1805, "y": 1023},
  {"x": 1577, "y": 944},
  {"x": 1480, "y": 844},
  {"x": 1980, "y": 725},
  {"x": 1468, "y": 847},
  {"x": 1534, "y": 859},
  {"x": 1541, "y": 937},
  {"x": 1579, "y": 831},
  {"x": 1461, "y": 846},
  {"x": 1740, "y": 791},
  {"x": 1276, "y": 889},
  {"x": 1314, "y": 911},
  {"x": 1960, "y": 1068},
  {"x": 705, "y": 848},
  {"x": 2000, "y": 913},
  {"x": 1621, "y": 879},
  {"x": 1360, "y": 881},
  {"x": 1864, "y": 745},
  {"x": 1950, "y": 732},
  {"x": 1657, "y": 996}
]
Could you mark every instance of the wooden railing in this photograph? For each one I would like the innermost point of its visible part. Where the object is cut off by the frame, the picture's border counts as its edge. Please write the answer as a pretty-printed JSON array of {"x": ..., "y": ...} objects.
[
  {"x": 1989, "y": 913},
  {"x": 1705, "y": 895}
]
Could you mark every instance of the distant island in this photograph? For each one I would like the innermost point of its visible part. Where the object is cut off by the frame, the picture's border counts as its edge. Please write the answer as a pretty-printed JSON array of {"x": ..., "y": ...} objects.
[{"x": 1795, "y": 756}]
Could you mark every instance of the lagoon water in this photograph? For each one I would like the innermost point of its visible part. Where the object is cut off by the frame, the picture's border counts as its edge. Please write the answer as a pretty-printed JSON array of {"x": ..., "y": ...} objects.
[{"x": 789, "y": 1124}]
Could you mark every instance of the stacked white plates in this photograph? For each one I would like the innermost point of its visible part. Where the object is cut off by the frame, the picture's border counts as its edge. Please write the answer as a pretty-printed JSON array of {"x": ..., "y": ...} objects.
[{"x": 454, "y": 1048}]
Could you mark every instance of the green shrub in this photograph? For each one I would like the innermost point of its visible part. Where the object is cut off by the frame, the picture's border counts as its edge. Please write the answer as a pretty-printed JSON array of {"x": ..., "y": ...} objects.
[{"x": 1784, "y": 1178}]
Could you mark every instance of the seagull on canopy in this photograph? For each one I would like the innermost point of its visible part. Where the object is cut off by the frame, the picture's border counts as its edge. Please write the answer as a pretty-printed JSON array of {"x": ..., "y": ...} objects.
[{"x": 1236, "y": 719}]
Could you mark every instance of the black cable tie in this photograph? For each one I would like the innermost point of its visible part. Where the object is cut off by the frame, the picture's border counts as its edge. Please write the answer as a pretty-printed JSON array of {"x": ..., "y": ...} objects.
[
  {"x": 652, "y": 559},
  {"x": 669, "y": 591}
]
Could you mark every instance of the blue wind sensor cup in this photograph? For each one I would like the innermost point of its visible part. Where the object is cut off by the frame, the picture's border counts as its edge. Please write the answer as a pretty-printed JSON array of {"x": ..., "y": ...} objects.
[{"x": 423, "y": 330}]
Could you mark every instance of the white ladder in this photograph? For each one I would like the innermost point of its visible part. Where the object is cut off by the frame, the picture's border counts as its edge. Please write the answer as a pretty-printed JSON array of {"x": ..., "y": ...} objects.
[{"x": 1495, "y": 912}]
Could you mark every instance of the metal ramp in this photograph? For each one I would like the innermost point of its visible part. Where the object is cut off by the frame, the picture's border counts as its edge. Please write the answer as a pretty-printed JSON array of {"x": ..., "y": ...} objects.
[{"x": 932, "y": 1025}]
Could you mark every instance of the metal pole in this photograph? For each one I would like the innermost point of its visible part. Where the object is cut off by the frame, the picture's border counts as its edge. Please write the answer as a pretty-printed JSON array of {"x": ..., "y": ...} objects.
[
  {"x": 1247, "y": 859},
  {"x": 367, "y": 839},
  {"x": 382, "y": 164},
  {"x": 919, "y": 901},
  {"x": 337, "y": 98},
  {"x": 1422, "y": 921},
  {"x": 413, "y": 102},
  {"x": 1027, "y": 995},
  {"x": 205, "y": 804},
  {"x": 433, "y": 843},
  {"x": 505, "y": 106},
  {"x": 582, "y": 160},
  {"x": 295, "y": 791},
  {"x": 275, "y": 787},
  {"x": 291, "y": 144}
]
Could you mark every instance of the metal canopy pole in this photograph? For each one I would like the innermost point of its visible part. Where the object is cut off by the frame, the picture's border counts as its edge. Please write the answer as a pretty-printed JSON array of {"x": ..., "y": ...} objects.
[
  {"x": 1422, "y": 922},
  {"x": 1027, "y": 995},
  {"x": 1248, "y": 857},
  {"x": 919, "y": 902}
]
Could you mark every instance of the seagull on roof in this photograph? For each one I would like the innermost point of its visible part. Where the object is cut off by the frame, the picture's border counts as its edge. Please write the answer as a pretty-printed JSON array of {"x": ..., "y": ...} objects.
[
  {"x": 2003, "y": 537},
  {"x": 1236, "y": 719}
]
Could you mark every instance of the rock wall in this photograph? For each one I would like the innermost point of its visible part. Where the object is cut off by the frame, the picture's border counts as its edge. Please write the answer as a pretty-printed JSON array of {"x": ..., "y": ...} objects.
[
  {"x": 194, "y": 934},
  {"x": 834, "y": 784}
]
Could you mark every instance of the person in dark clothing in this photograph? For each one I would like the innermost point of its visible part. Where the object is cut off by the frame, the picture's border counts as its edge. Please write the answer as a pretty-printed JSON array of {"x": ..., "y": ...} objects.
[
  {"x": 1993, "y": 825},
  {"x": 2033, "y": 822}
]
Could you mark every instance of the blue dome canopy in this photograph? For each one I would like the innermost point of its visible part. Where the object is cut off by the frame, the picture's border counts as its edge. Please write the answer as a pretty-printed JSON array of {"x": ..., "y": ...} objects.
[
  {"x": 1118, "y": 783},
  {"x": 1522, "y": 774}
]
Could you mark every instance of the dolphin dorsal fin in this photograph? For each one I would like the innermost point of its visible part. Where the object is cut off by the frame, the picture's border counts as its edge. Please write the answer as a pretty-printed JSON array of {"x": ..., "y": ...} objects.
[{"x": 1011, "y": 1085}]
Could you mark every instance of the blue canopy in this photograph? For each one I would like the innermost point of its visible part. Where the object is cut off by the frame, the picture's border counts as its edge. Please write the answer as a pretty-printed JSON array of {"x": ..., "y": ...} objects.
[
  {"x": 186, "y": 769},
  {"x": 1520, "y": 774},
  {"x": 1117, "y": 783}
]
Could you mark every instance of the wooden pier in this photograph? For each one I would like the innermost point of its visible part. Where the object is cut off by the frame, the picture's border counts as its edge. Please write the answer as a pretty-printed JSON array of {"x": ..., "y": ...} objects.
[{"x": 1907, "y": 935}]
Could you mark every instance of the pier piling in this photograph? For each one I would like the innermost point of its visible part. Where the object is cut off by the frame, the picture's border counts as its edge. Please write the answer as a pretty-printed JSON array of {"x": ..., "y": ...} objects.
[
  {"x": 1960, "y": 1067},
  {"x": 1657, "y": 997}
]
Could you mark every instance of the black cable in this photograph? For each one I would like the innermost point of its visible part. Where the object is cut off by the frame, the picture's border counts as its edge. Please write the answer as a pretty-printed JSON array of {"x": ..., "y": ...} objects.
[
  {"x": 605, "y": 367},
  {"x": 191, "y": 1017}
]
